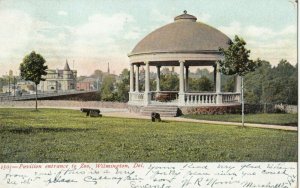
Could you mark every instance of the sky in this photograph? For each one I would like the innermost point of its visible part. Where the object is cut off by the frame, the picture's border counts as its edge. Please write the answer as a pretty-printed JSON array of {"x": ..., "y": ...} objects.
[{"x": 92, "y": 33}]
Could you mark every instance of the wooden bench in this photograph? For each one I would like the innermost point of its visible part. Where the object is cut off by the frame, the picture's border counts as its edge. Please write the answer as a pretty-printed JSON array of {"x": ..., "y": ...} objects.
[{"x": 91, "y": 112}]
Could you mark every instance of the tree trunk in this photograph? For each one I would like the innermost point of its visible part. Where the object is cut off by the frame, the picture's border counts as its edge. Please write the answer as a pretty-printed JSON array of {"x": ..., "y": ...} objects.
[
  {"x": 243, "y": 105},
  {"x": 36, "y": 97}
]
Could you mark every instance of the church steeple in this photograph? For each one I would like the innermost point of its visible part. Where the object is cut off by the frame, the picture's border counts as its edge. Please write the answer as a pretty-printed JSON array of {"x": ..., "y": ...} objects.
[{"x": 67, "y": 68}]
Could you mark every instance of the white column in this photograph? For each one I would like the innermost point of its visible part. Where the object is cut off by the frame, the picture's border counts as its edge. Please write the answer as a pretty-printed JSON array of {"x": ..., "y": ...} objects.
[
  {"x": 137, "y": 72},
  {"x": 186, "y": 78},
  {"x": 181, "y": 94},
  {"x": 218, "y": 84},
  {"x": 131, "y": 77},
  {"x": 181, "y": 77},
  {"x": 215, "y": 73},
  {"x": 158, "y": 79},
  {"x": 147, "y": 84},
  {"x": 238, "y": 83}
]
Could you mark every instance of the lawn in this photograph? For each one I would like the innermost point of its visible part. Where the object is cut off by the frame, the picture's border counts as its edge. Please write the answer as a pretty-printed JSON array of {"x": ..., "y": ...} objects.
[
  {"x": 52, "y": 135},
  {"x": 276, "y": 119}
]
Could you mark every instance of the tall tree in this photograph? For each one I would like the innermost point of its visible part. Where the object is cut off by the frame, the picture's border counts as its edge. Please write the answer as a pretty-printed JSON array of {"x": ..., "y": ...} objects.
[
  {"x": 123, "y": 86},
  {"x": 282, "y": 84},
  {"x": 200, "y": 84},
  {"x": 236, "y": 62},
  {"x": 108, "y": 88},
  {"x": 32, "y": 68},
  {"x": 256, "y": 84},
  {"x": 169, "y": 82}
]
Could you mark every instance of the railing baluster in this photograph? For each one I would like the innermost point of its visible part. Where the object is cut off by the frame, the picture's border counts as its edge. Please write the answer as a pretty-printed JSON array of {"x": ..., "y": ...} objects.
[{"x": 194, "y": 99}]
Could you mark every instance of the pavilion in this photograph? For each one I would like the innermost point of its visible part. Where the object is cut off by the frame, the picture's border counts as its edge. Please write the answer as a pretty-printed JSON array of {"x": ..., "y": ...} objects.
[{"x": 185, "y": 43}]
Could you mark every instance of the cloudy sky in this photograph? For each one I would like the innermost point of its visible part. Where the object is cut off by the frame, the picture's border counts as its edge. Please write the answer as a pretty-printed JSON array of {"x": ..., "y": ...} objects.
[{"x": 92, "y": 33}]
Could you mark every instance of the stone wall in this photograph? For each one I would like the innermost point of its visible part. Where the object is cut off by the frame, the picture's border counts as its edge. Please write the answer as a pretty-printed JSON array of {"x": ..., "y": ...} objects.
[
  {"x": 293, "y": 109},
  {"x": 134, "y": 109},
  {"x": 211, "y": 110}
]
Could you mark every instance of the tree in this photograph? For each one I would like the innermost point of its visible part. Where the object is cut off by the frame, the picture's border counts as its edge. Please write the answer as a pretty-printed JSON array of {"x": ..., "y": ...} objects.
[
  {"x": 123, "y": 86},
  {"x": 256, "y": 84},
  {"x": 108, "y": 88},
  {"x": 200, "y": 84},
  {"x": 206, "y": 73},
  {"x": 169, "y": 82},
  {"x": 99, "y": 76},
  {"x": 281, "y": 85},
  {"x": 32, "y": 68},
  {"x": 229, "y": 83},
  {"x": 236, "y": 62}
]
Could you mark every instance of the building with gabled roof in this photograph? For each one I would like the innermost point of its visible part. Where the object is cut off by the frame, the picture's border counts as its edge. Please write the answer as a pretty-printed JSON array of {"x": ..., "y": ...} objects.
[{"x": 59, "y": 80}]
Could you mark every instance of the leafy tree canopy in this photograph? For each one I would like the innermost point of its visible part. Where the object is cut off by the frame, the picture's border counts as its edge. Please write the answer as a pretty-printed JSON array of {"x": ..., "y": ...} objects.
[
  {"x": 32, "y": 68},
  {"x": 123, "y": 86},
  {"x": 236, "y": 59},
  {"x": 200, "y": 84},
  {"x": 169, "y": 82},
  {"x": 107, "y": 88}
]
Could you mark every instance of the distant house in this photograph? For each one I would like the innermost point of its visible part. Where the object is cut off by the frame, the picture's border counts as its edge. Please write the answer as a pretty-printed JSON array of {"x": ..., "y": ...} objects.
[
  {"x": 10, "y": 89},
  {"x": 83, "y": 86},
  {"x": 87, "y": 84},
  {"x": 59, "y": 80},
  {"x": 26, "y": 86}
]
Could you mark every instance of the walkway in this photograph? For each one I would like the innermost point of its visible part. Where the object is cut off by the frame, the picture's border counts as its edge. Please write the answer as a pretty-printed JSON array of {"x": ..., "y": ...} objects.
[
  {"x": 127, "y": 114},
  {"x": 42, "y": 95}
]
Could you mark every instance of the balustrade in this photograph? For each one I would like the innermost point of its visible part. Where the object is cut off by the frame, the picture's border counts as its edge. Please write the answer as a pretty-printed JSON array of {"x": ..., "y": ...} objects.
[
  {"x": 136, "y": 97},
  {"x": 200, "y": 98},
  {"x": 190, "y": 99},
  {"x": 164, "y": 96},
  {"x": 231, "y": 97}
]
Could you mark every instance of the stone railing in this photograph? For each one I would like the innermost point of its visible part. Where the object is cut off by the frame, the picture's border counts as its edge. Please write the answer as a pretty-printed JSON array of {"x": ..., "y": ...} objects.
[
  {"x": 231, "y": 97},
  {"x": 200, "y": 98},
  {"x": 164, "y": 96},
  {"x": 135, "y": 97},
  {"x": 190, "y": 99}
]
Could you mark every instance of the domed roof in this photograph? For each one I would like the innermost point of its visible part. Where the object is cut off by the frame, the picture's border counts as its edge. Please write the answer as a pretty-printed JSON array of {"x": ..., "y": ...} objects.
[{"x": 184, "y": 35}]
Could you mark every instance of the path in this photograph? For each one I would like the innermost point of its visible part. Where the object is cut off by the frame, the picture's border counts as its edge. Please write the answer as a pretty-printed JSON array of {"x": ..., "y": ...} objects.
[{"x": 138, "y": 116}]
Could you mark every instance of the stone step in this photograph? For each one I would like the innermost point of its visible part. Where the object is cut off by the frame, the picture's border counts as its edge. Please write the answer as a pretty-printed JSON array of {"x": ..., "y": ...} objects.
[
  {"x": 158, "y": 110},
  {"x": 164, "y": 111},
  {"x": 168, "y": 108},
  {"x": 161, "y": 107},
  {"x": 162, "y": 114}
]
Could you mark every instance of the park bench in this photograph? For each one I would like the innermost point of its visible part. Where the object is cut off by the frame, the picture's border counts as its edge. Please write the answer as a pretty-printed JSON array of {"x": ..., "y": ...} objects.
[
  {"x": 91, "y": 112},
  {"x": 155, "y": 117}
]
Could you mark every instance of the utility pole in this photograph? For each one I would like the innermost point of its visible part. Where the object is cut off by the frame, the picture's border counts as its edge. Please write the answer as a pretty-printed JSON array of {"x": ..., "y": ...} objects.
[
  {"x": 243, "y": 104},
  {"x": 14, "y": 86},
  {"x": 8, "y": 85}
]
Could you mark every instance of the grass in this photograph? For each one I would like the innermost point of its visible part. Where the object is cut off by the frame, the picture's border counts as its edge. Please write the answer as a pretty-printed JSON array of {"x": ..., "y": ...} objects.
[
  {"x": 55, "y": 135},
  {"x": 275, "y": 119}
]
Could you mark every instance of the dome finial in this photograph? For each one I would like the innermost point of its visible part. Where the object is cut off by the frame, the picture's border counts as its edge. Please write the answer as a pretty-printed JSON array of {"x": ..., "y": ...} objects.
[{"x": 185, "y": 17}]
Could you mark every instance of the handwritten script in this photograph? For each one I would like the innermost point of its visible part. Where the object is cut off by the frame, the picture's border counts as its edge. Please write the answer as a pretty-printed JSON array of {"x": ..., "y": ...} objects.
[{"x": 149, "y": 175}]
